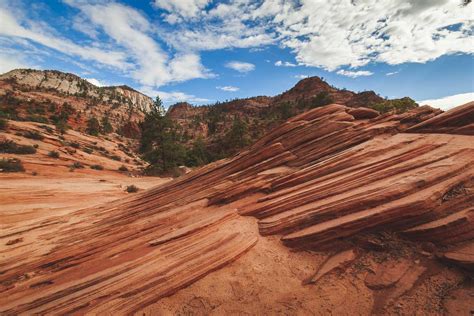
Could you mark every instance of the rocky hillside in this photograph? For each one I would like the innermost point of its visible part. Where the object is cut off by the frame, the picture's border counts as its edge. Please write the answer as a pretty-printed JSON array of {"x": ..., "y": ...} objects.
[
  {"x": 377, "y": 212},
  {"x": 218, "y": 124},
  {"x": 48, "y": 96}
]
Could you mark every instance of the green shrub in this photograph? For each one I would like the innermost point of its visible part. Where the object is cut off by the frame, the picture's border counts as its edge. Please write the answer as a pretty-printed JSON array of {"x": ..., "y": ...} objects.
[
  {"x": 75, "y": 145},
  {"x": 115, "y": 157},
  {"x": 3, "y": 124},
  {"x": 47, "y": 129},
  {"x": 33, "y": 135},
  {"x": 53, "y": 154},
  {"x": 321, "y": 99},
  {"x": 77, "y": 165},
  {"x": 11, "y": 165},
  {"x": 10, "y": 147},
  {"x": 123, "y": 168},
  {"x": 132, "y": 189},
  {"x": 93, "y": 127},
  {"x": 97, "y": 167},
  {"x": 396, "y": 105},
  {"x": 88, "y": 150},
  {"x": 37, "y": 118}
]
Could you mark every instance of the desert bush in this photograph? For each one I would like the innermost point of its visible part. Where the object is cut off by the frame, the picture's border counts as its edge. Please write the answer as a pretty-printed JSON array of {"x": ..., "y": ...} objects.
[
  {"x": 33, "y": 135},
  {"x": 123, "y": 168},
  {"x": 11, "y": 165},
  {"x": 115, "y": 157},
  {"x": 53, "y": 154},
  {"x": 88, "y": 150},
  {"x": 10, "y": 147},
  {"x": 97, "y": 167},
  {"x": 93, "y": 127},
  {"x": 47, "y": 129},
  {"x": 77, "y": 165},
  {"x": 37, "y": 119},
  {"x": 75, "y": 145},
  {"x": 3, "y": 124},
  {"x": 397, "y": 105},
  {"x": 321, "y": 99},
  {"x": 132, "y": 189}
]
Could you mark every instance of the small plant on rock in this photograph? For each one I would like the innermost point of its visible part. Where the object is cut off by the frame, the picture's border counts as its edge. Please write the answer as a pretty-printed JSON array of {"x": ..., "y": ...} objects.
[
  {"x": 132, "y": 189},
  {"x": 53, "y": 154}
]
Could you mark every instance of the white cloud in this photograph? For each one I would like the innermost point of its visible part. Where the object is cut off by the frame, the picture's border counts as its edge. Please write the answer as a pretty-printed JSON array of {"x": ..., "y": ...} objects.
[
  {"x": 184, "y": 8},
  {"x": 301, "y": 76},
  {"x": 96, "y": 82},
  {"x": 332, "y": 34},
  {"x": 392, "y": 73},
  {"x": 133, "y": 49},
  {"x": 240, "y": 66},
  {"x": 131, "y": 30},
  {"x": 10, "y": 27},
  {"x": 280, "y": 63},
  {"x": 228, "y": 88},
  {"x": 173, "y": 96},
  {"x": 354, "y": 74},
  {"x": 449, "y": 102},
  {"x": 9, "y": 62}
]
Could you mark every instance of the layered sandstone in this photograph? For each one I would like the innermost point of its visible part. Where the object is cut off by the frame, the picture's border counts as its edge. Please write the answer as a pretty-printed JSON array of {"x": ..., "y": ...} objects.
[{"x": 319, "y": 182}]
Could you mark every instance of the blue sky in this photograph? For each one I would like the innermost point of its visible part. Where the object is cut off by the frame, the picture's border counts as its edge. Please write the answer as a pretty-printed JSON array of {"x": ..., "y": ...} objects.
[{"x": 202, "y": 51}]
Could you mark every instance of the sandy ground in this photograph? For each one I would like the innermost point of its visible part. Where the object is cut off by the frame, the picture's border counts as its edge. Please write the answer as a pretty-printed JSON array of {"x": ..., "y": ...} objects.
[{"x": 26, "y": 197}]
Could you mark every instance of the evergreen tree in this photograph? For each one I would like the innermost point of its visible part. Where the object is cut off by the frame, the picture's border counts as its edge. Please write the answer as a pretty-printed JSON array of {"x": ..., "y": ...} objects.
[
  {"x": 237, "y": 136},
  {"x": 106, "y": 126},
  {"x": 159, "y": 142},
  {"x": 93, "y": 126}
]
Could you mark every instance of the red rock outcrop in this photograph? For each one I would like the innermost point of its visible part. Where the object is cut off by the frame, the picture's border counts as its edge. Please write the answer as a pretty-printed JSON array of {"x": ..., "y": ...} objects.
[
  {"x": 323, "y": 177},
  {"x": 459, "y": 120}
]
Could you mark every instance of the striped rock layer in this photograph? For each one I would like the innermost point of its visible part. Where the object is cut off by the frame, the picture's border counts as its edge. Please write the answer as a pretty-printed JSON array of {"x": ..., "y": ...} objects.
[{"x": 321, "y": 177}]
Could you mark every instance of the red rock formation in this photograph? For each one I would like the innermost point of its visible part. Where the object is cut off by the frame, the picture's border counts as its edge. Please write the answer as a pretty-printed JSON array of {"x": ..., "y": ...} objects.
[
  {"x": 459, "y": 120},
  {"x": 322, "y": 177}
]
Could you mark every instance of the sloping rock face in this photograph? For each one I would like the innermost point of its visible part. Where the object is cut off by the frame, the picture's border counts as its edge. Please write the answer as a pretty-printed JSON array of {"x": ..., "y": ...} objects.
[
  {"x": 321, "y": 179},
  {"x": 43, "y": 96},
  {"x": 457, "y": 121},
  {"x": 67, "y": 83}
]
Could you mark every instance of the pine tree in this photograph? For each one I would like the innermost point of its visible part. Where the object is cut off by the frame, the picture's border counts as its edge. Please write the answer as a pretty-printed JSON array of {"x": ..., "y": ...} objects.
[{"x": 159, "y": 142}]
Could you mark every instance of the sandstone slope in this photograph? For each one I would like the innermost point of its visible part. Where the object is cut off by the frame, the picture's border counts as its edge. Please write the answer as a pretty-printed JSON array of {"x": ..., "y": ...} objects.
[{"x": 325, "y": 181}]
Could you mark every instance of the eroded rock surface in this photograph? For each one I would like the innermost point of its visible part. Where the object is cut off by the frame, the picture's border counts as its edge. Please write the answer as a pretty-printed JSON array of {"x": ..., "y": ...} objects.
[{"x": 322, "y": 178}]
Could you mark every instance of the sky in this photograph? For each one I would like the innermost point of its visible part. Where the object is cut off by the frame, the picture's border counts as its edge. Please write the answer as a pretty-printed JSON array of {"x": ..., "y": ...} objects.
[{"x": 203, "y": 51}]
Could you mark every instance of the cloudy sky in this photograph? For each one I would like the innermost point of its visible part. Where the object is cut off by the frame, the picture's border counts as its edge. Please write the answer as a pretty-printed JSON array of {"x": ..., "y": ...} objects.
[{"x": 203, "y": 51}]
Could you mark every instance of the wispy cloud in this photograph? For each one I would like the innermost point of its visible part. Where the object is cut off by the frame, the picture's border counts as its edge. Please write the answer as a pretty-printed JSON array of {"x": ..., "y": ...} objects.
[
  {"x": 9, "y": 62},
  {"x": 280, "y": 63},
  {"x": 392, "y": 73},
  {"x": 170, "y": 97},
  {"x": 301, "y": 76},
  {"x": 228, "y": 88},
  {"x": 240, "y": 66},
  {"x": 354, "y": 74}
]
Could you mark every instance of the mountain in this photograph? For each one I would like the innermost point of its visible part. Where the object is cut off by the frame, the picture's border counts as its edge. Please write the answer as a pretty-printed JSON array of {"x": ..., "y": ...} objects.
[
  {"x": 43, "y": 95},
  {"x": 218, "y": 124},
  {"x": 331, "y": 212}
]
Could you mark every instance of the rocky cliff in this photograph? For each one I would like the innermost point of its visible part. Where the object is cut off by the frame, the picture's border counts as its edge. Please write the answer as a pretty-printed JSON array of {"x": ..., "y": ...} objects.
[
  {"x": 384, "y": 204},
  {"x": 48, "y": 96},
  {"x": 70, "y": 84}
]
